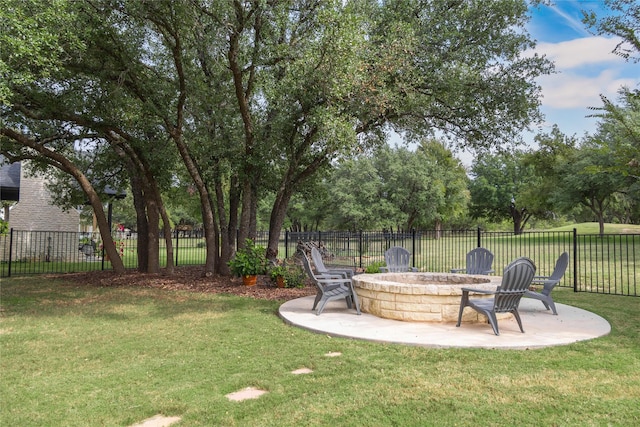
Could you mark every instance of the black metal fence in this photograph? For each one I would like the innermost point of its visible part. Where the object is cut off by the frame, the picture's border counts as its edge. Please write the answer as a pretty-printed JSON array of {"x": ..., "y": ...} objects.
[{"x": 607, "y": 264}]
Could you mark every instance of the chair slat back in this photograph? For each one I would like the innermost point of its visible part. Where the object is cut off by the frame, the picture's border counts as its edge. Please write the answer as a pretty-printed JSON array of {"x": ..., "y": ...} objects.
[
  {"x": 479, "y": 261},
  {"x": 316, "y": 257},
  {"x": 307, "y": 268},
  {"x": 516, "y": 279},
  {"x": 561, "y": 266},
  {"x": 397, "y": 259}
]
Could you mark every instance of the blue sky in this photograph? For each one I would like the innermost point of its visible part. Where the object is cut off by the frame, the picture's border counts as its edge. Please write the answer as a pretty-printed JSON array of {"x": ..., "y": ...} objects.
[{"x": 585, "y": 66}]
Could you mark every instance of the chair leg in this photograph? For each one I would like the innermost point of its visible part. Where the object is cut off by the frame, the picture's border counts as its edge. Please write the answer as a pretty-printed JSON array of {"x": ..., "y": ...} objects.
[
  {"x": 321, "y": 306},
  {"x": 355, "y": 301},
  {"x": 553, "y": 307},
  {"x": 549, "y": 304},
  {"x": 349, "y": 301},
  {"x": 463, "y": 304},
  {"x": 517, "y": 316},
  {"x": 460, "y": 315},
  {"x": 317, "y": 300},
  {"x": 491, "y": 316}
]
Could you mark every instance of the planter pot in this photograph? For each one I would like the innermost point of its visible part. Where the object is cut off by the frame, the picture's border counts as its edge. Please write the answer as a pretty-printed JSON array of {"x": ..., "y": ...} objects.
[
  {"x": 250, "y": 280},
  {"x": 280, "y": 282}
]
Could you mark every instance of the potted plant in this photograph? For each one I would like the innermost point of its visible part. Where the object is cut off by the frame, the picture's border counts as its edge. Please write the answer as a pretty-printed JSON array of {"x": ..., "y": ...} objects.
[
  {"x": 278, "y": 274},
  {"x": 248, "y": 262},
  {"x": 287, "y": 274}
]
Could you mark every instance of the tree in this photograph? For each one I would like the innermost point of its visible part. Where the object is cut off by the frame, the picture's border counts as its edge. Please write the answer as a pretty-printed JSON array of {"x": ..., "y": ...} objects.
[
  {"x": 356, "y": 196},
  {"x": 454, "y": 66},
  {"x": 451, "y": 176},
  {"x": 619, "y": 129},
  {"x": 34, "y": 49},
  {"x": 586, "y": 179},
  {"x": 258, "y": 96},
  {"x": 577, "y": 174},
  {"x": 499, "y": 187},
  {"x": 623, "y": 22},
  {"x": 82, "y": 97},
  {"x": 395, "y": 188},
  {"x": 553, "y": 152}
]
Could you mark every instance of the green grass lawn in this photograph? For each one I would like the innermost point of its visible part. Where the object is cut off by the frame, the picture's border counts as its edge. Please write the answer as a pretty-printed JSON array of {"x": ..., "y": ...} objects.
[
  {"x": 594, "y": 228},
  {"x": 78, "y": 356}
]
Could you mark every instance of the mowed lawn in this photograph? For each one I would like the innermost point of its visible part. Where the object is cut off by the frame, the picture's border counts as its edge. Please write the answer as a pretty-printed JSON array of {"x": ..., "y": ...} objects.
[{"x": 114, "y": 356}]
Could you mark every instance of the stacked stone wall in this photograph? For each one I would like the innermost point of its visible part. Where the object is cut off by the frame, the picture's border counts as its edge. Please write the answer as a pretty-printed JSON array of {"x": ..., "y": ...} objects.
[
  {"x": 34, "y": 212},
  {"x": 420, "y": 297}
]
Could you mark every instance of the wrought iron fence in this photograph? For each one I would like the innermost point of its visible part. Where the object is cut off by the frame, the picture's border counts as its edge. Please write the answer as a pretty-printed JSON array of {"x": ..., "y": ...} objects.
[{"x": 607, "y": 264}]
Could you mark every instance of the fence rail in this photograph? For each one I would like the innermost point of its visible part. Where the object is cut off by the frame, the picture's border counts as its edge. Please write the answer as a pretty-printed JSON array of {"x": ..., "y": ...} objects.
[{"x": 608, "y": 264}]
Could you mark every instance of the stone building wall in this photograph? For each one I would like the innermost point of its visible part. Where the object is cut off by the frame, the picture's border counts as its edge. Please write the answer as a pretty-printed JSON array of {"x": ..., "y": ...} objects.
[
  {"x": 34, "y": 211},
  {"x": 42, "y": 231}
]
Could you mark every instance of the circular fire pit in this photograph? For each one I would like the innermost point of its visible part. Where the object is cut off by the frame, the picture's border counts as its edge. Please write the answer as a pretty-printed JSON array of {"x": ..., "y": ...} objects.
[{"x": 420, "y": 297}]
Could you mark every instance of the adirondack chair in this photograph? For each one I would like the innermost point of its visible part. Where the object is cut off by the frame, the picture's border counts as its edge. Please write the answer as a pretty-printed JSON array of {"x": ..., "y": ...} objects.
[
  {"x": 320, "y": 268},
  {"x": 479, "y": 261},
  {"x": 330, "y": 287},
  {"x": 549, "y": 282},
  {"x": 397, "y": 259},
  {"x": 516, "y": 279}
]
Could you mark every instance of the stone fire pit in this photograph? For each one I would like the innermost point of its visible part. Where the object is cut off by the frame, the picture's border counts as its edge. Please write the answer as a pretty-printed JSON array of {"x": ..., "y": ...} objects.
[{"x": 421, "y": 297}]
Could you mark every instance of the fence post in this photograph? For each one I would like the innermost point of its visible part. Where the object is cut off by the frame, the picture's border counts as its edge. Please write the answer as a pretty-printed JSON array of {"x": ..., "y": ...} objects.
[
  {"x": 479, "y": 238},
  {"x": 360, "y": 248},
  {"x": 575, "y": 260},
  {"x": 286, "y": 244},
  {"x": 10, "y": 252},
  {"x": 413, "y": 246},
  {"x": 177, "y": 245}
]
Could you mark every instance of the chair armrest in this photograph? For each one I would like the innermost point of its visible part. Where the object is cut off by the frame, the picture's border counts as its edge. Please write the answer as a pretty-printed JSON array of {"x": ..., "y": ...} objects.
[
  {"x": 541, "y": 279},
  {"x": 325, "y": 276},
  {"x": 329, "y": 287},
  {"x": 336, "y": 282},
  {"x": 478, "y": 291},
  {"x": 458, "y": 270},
  {"x": 344, "y": 271}
]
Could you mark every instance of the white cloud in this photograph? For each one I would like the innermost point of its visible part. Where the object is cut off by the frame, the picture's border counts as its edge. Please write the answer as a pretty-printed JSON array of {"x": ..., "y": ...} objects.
[
  {"x": 579, "y": 52},
  {"x": 571, "y": 90}
]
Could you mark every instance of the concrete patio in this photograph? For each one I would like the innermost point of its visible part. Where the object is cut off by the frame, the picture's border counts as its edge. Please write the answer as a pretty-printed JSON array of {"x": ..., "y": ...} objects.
[{"x": 542, "y": 329}]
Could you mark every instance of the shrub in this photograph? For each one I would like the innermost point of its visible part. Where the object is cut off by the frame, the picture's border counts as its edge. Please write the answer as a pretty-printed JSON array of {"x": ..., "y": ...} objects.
[
  {"x": 249, "y": 260},
  {"x": 374, "y": 267}
]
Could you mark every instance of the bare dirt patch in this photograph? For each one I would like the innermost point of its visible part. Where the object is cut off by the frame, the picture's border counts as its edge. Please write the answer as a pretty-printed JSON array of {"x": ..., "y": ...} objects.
[{"x": 188, "y": 279}]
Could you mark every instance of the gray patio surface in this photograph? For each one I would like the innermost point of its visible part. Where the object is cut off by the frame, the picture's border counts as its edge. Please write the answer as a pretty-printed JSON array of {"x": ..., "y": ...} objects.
[{"x": 542, "y": 329}]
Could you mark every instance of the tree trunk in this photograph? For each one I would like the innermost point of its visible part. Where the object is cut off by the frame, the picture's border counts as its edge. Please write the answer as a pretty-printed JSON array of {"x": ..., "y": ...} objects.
[
  {"x": 208, "y": 219},
  {"x": 159, "y": 213},
  {"x": 278, "y": 214},
  {"x": 151, "y": 203},
  {"x": 438, "y": 231},
  {"x": 516, "y": 215},
  {"x": 245, "y": 214},
  {"x": 597, "y": 207},
  {"x": 225, "y": 236},
  {"x": 142, "y": 224},
  {"x": 154, "y": 236}
]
